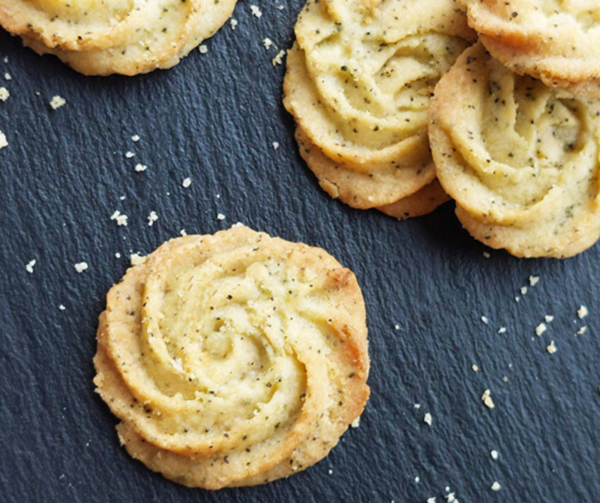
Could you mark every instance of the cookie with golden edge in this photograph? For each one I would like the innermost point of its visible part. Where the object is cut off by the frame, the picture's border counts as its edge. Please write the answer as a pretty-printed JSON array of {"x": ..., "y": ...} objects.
[
  {"x": 557, "y": 42},
  {"x": 522, "y": 160},
  {"x": 358, "y": 83},
  {"x": 335, "y": 182},
  {"x": 233, "y": 359},
  {"x": 113, "y": 36}
]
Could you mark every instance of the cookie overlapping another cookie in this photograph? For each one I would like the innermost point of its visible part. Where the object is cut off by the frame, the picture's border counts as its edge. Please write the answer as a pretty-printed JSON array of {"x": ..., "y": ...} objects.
[
  {"x": 233, "y": 359},
  {"x": 358, "y": 83},
  {"x": 555, "y": 41},
  {"x": 521, "y": 160},
  {"x": 115, "y": 36}
]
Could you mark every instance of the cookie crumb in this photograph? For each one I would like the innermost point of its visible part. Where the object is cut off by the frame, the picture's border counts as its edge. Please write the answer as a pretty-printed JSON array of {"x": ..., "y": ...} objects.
[
  {"x": 277, "y": 60},
  {"x": 582, "y": 330},
  {"x": 152, "y": 217},
  {"x": 496, "y": 486},
  {"x": 186, "y": 182},
  {"x": 355, "y": 423},
  {"x": 275, "y": 145},
  {"x": 487, "y": 399},
  {"x": 137, "y": 259},
  {"x": 486, "y": 254},
  {"x": 255, "y": 11},
  {"x": 431, "y": 500},
  {"x": 428, "y": 419},
  {"x": 7, "y": 76},
  {"x": 129, "y": 155},
  {"x": 534, "y": 280},
  {"x": 475, "y": 368},
  {"x": 233, "y": 22},
  {"x": 582, "y": 312},
  {"x": 135, "y": 138},
  {"x": 551, "y": 348},
  {"x": 267, "y": 43},
  {"x": 29, "y": 266},
  {"x": 540, "y": 329},
  {"x": 220, "y": 216},
  {"x": 81, "y": 266},
  {"x": 120, "y": 218},
  {"x": 494, "y": 454},
  {"x": 117, "y": 255},
  {"x": 502, "y": 330},
  {"x": 3, "y": 141},
  {"x": 203, "y": 49},
  {"x": 139, "y": 168},
  {"x": 57, "y": 101},
  {"x": 485, "y": 319},
  {"x": 523, "y": 290},
  {"x": 549, "y": 318},
  {"x": 182, "y": 232},
  {"x": 62, "y": 307},
  {"x": 4, "y": 94}
]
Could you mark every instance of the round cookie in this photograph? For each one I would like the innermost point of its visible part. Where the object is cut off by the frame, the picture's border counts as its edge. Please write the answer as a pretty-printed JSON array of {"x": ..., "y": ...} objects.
[
  {"x": 125, "y": 37},
  {"x": 233, "y": 359},
  {"x": 521, "y": 160},
  {"x": 557, "y": 42},
  {"x": 358, "y": 83}
]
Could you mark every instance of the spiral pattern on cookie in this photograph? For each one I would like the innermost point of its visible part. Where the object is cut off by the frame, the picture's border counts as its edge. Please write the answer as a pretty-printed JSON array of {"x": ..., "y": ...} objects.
[
  {"x": 520, "y": 159},
  {"x": 113, "y": 36},
  {"x": 358, "y": 83},
  {"x": 225, "y": 357}
]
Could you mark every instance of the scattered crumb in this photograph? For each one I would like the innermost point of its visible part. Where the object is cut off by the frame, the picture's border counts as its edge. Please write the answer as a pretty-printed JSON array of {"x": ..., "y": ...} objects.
[
  {"x": 29, "y": 266},
  {"x": 129, "y": 154},
  {"x": 62, "y": 307},
  {"x": 57, "y": 101},
  {"x": 475, "y": 368},
  {"x": 186, "y": 182},
  {"x": 487, "y": 399},
  {"x": 117, "y": 255},
  {"x": 182, "y": 232},
  {"x": 255, "y": 11},
  {"x": 355, "y": 423},
  {"x": 275, "y": 145},
  {"x": 152, "y": 217},
  {"x": 496, "y": 486},
  {"x": 582, "y": 330},
  {"x": 220, "y": 216},
  {"x": 451, "y": 498},
  {"x": 549, "y": 318},
  {"x": 203, "y": 49},
  {"x": 485, "y": 319},
  {"x": 277, "y": 60},
  {"x": 505, "y": 378},
  {"x": 502, "y": 330},
  {"x": 494, "y": 454},
  {"x": 486, "y": 254},
  {"x": 137, "y": 259},
  {"x": 140, "y": 168},
  {"x": 233, "y": 23},
  {"x": 428, "y": 419},
  {"x": 540, "y": 329},
  {"x": 517, "y": 299},
  {"x": 582, "y": 312},
  {"x": 135, "y": 138},
  {"x": 4, "y": 94},
  {"x": 119, "y": 217},
  {"x": 237, "y": 224},
  {"x": 81, "y": 266},
  {"x": 417, "y": 479},
  {"x": 280, "y": 7},
  {"x": 396, "y": 327},
  {"x": 417, "y": 406},
  {"x": 7, "y": 76},
  {"x": 534, "y": 280},
  {"x": 523, "y": 290},
  {"x": 431, "y": 500},
  {"x": 330, "y": 472},
  {"x": 3, "y": 141},
  {"x": 267, "y": 42},
  {"x": 551, "y": 348}
]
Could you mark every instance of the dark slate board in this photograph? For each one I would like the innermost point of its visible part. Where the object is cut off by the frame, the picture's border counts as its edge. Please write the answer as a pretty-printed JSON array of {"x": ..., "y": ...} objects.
[{"x": 214, "y": 118}]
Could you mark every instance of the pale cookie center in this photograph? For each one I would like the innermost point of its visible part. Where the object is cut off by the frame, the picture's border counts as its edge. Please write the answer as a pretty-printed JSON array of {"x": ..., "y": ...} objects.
[{"x": 89, "y": 11}]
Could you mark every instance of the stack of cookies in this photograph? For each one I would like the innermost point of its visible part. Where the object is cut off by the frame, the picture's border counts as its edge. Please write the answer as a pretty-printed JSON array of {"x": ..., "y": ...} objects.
[
  {"x": 514, "y": 132},
  {"x": 115, "y": 36},
  {"x": 233, "y": 359},
  {"x": 359, "y": 80}
]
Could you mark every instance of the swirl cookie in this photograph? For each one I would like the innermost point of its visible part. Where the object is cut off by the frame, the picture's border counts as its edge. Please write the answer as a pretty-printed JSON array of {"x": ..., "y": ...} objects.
[
  {"x": 114, "y": 36},
  {"x": 555, "y": 41},
  {"x": 522, "y": 160},
  {"x": 233, "y": 359},
  {"x": 358, "y": 84}
]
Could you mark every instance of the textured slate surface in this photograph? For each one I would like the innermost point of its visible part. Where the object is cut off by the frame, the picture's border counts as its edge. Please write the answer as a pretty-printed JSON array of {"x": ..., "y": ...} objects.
[{"x": 214, "y": 118}]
